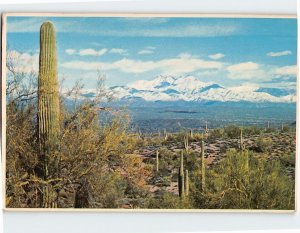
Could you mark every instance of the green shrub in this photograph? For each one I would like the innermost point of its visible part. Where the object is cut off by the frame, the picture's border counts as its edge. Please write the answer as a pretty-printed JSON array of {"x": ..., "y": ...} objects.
[
  {"x": 251, "y": 130},
  {"x": 244, "y": 181},
  {"x": 216, "y": 133},
  {"x": 288, "y": 160},
  {"x": 285, "y": 129},
  {"x": 263, "y": 144},
  {"x": 168, "y": 201},
  {"x": 232, "y": 131}
]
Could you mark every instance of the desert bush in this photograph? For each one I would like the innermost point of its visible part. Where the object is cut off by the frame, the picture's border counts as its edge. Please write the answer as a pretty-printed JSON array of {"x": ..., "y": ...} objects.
[
  {"x": 94, "y": 166},
  {"x": 288, "y": 160},
  {"x": 244, "y": 181},
  {"x": 251, "y": 130},
  {"x": 263, "y": 144},
  {"x": 168, "y": 201},
  {"x": 232, "y": 131},
  {"x": 270, "y": 130},
  {"x": 167, "y": 160},
  {"x": 285, "y": 129},
  {"x": 216, "y": 133}
]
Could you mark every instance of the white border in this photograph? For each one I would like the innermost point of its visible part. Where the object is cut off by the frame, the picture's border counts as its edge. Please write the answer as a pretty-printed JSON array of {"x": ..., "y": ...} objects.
[
  {"x": 155, "y": 222},
  {"x": 112, "y": 15}
]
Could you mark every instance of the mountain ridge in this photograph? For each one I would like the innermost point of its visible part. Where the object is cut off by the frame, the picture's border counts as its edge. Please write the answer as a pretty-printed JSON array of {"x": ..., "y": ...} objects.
[{"x": 190, "y": 89}]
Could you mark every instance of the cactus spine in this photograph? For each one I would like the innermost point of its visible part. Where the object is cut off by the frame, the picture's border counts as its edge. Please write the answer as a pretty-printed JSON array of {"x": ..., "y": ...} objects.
[
  {"x": 48, "y": 104},
  {"x": 187, "y": 183},
  {"x": 203, "y": 166},
  {"x": 157, "y": 161},
  {"x": 181, "y": 178}
]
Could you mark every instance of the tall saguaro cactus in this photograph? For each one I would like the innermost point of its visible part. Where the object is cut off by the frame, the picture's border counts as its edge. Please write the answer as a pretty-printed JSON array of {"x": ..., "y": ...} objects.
[
  {"x": 48, "y": 102},
  {"x": 203, "y": 166},
  {"x": 187, "y": 183},
  {"x": 181, "y": 177}
]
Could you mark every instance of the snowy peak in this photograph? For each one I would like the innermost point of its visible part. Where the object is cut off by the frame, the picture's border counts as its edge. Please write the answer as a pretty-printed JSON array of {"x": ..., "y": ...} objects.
[
  {"x": 190, "y": 88},
  {"x": 164, "y": 82}
]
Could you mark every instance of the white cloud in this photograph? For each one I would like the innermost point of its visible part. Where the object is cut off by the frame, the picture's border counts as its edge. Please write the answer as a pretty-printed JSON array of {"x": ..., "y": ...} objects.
[
  {"x": 185, "y": 55},
  {"x": 23, "y": 62},
  {"x": 145, "y": 51},
  {"x": 247, "y": 71},
  {"x": 92, "y": 52},
  {"x": 255, "y": 72},
  {"x": 178, "y": 65},
  {"x": 118, "y": 51},
  {"x": 278, "y": 54},
  {"x": 245, "y": 66},
  {"x": 287, "y": 70},
  {"x": 70, "y": 51},
  {"x": 150, "y": 47},
  {"x": 216, "y": 56}
]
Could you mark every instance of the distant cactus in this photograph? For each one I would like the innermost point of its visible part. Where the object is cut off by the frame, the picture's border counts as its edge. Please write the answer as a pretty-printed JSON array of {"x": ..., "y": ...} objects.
[
  {"x": 140, "y": 133},
  {"x": 157, "y": 161},
  {"x": 191, "y": 134},
  {"x": 203, "y": 166},
  {"x": 48, "y": 107},
  {"x": 206, "y": 129},
  {"x": 181, "y": 178},
  {"x": 186, "y": 143},
  {"x": 186, "y": 183},
  {"x": 166, "y": 134},
  {"x": 241, "y": 140}
]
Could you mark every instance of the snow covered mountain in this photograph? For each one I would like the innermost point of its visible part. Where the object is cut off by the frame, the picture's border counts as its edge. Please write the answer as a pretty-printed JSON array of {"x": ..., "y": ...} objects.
[{"x": 190, "y": 88}]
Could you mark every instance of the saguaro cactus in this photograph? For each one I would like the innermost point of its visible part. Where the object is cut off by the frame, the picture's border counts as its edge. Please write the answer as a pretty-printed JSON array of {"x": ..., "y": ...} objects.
[
  {"x": 191, "y": 134},
  {"x": 186, "y": 143},
  {"x": 48, "y": 103},
  {"x": 181, "y": 178},
  {"x": 206, "y": 129},
  {"x": 187, "y": 183},
  {"x": 203, "y": 166},
  {"x": 157, "y": 161},
  {"x": 241, "y": 140},
  {"x": 166, "y": 134}
]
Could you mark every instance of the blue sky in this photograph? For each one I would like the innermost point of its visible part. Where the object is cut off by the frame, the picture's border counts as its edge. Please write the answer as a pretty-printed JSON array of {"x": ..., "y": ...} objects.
[{"x": 229, "y": 51}]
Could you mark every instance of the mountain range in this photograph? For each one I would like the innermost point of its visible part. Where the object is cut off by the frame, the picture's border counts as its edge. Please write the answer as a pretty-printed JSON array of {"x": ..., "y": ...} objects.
[{"x": 191, "y": 89}]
